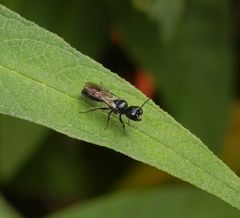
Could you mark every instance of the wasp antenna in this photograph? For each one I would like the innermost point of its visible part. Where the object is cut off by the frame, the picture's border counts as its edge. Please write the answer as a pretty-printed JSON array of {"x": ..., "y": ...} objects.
[{"x": 145, "y": 102}]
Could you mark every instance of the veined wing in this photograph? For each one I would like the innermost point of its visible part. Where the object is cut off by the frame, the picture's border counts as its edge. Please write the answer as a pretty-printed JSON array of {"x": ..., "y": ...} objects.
[{"x": 98, "y": 93}]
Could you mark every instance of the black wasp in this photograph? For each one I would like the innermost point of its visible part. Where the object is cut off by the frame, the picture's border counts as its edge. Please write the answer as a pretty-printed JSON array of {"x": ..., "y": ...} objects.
[{"x": 115, "y": 104}]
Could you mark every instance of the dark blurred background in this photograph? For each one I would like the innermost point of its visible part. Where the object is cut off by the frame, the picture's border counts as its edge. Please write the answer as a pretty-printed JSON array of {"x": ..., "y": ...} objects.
[{"x": 183, "y": 54}]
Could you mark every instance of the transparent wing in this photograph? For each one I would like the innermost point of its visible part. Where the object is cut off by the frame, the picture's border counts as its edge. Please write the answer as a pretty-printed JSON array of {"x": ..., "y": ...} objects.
[{"x": 98, "y": 93}]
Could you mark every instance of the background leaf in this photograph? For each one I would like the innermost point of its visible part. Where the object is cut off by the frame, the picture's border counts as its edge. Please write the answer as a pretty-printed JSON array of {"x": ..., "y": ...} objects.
[
  {"x": 14, "y": 145},
  {"x": 6, "y": 210},
  {"x": 166, "y": 13},
  {"x": 164, "y": 202},
  {"x": 193, "y": 70},
  {"x": 40, "y": 80}
]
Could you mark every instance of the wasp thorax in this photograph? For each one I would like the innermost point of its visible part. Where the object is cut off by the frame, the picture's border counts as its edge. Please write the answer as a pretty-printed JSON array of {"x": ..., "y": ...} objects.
[{"x": 121, "y": 105}]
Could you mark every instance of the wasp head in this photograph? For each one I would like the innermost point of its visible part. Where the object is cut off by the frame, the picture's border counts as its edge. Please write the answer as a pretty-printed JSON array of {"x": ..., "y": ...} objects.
[{"x": 134, "y": 113}]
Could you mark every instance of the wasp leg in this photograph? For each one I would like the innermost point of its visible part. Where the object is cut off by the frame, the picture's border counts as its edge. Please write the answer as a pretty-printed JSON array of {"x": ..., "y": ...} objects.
[
  {"x": 123, "y": 125},
  {"x": 109, "y": 115},
  {"x": 128, "y": 122},
  {"x": 94, "y": 109}
]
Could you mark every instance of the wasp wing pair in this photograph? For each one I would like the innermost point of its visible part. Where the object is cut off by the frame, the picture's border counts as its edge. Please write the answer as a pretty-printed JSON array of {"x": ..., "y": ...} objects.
[{"x": 113, "y": 103}]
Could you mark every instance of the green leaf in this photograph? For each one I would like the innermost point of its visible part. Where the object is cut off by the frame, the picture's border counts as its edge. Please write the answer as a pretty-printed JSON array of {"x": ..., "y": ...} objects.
[
  {"x": 71, "y": 20},
  {"x": 6, "y": 210},
  {"x": 57, "y": 171},
  {"x": 169, "y": 202},
  {"x": 166, "y": 13},
  {"x": 41, "y": 77},
  {"x": 14, "y": 145}
]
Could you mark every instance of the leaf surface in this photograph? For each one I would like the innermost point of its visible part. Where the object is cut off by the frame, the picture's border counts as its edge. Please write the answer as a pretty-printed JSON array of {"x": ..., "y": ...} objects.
[{"x": 41, "y": 77}]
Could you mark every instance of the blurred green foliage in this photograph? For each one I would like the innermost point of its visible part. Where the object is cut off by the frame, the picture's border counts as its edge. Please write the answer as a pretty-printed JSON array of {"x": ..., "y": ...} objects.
[
  {"x": 6, "y": 210},
  {"x": 162, "y": 202},
  {"x": 19, "y": 140},
  {"x": 185, "y": 45},
  {"x": 193, "y": 70}
]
